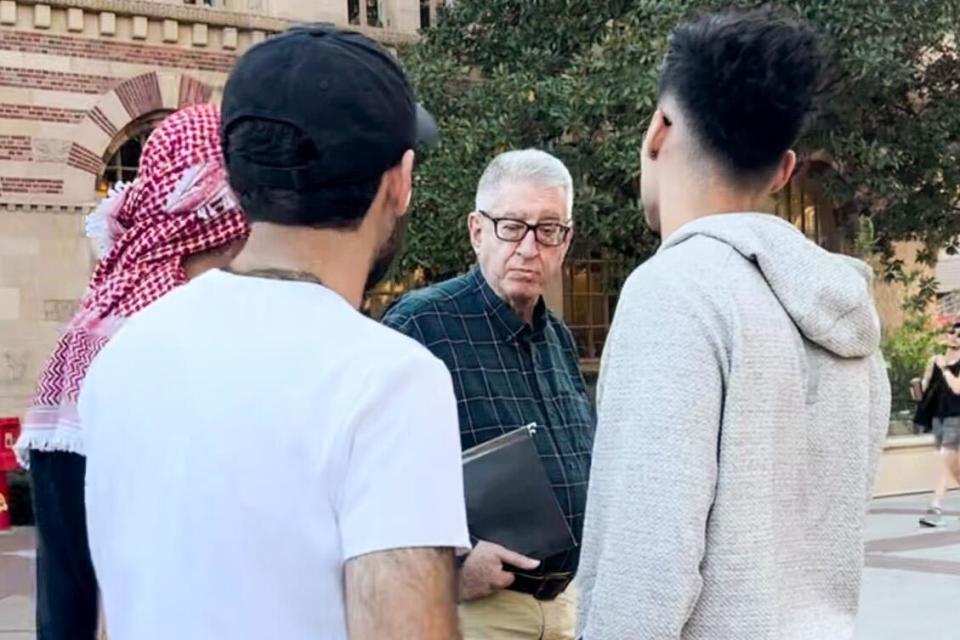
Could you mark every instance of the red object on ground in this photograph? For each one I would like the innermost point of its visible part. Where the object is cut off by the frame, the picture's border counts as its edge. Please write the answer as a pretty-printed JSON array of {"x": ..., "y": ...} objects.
[{"x": 9, "y": 432}]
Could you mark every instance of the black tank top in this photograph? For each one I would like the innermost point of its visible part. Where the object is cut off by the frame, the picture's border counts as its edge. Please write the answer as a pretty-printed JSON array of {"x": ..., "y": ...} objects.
[{"x": 948, "y": 403}]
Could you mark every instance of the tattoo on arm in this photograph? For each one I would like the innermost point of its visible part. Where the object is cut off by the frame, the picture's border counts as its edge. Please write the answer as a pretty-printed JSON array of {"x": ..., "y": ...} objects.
[{"x": 402, "y": 594}]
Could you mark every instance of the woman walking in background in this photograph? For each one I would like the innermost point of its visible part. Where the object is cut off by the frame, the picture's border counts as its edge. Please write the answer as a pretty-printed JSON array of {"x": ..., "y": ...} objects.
[
  {"x": 175, "y": 221},
  {"x": 940, "y": 408}
]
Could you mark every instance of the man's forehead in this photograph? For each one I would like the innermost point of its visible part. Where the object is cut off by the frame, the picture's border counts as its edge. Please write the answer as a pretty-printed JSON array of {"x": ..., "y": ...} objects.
[{"x": 530, "y": 202}]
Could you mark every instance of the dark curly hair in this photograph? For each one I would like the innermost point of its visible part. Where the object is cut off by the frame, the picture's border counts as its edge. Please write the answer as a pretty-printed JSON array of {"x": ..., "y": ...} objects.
[{"x": 749, "y": 81}]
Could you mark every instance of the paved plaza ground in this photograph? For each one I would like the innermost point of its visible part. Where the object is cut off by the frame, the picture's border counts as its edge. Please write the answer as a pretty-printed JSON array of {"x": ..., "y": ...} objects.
[{"x": 911, "y": 581}]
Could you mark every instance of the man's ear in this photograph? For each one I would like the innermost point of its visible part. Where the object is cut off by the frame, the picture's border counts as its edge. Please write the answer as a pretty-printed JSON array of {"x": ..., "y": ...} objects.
[
  {"x": 404, "y": 179},
  {"x": 475, "y": 226},
  {"x": 788, "y": 164},
  {"x": 657, "y": 133}
]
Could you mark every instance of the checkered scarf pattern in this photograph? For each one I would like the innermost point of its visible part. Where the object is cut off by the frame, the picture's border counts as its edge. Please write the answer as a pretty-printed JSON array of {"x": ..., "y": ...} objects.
[{"x": 179, "y": 205}]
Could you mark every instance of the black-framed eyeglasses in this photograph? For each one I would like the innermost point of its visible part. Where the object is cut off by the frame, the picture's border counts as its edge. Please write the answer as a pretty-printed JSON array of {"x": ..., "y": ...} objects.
[{"x": 549, "y": 234}]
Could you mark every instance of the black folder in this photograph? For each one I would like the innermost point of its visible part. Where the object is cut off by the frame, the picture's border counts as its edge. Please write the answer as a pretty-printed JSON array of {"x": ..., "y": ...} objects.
[{"x": 509, "y": 498}]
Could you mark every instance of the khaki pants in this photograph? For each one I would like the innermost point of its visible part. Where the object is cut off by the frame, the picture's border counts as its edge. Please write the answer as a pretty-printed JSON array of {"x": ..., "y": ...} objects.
[{"x": 510, "y": 615}]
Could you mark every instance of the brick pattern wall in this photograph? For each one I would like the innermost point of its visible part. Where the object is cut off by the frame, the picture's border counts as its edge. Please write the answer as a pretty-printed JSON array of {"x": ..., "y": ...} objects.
[
  {"x": 17, "y": 148},
  {"x": 42, "y": 114},
  {"x": 56, "y": 81},
  {"x": 138, "y": 95},
  {"x": 22, "y": 149},
  {"x": 141, "y": 94},
  {"x": 103, "y": 122},
  {"x": 32, "y": 42},
  {"x": 84, "y": 159},
  {"x": 35, "y": 186},
  {"x": 193, "y": 92}
]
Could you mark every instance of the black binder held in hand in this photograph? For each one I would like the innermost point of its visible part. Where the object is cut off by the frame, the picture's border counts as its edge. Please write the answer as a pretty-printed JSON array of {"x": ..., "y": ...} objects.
[{"x": 509, "y": 498}]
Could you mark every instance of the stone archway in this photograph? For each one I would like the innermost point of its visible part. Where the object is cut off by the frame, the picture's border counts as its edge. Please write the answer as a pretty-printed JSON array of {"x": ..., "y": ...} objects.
[{"x": 128, "y": 102}]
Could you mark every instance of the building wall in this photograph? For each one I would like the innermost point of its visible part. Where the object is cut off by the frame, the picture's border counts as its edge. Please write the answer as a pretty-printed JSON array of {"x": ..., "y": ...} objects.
[
  {"x": 889, "y": 295},
  {"x": 73, "y": 75}
]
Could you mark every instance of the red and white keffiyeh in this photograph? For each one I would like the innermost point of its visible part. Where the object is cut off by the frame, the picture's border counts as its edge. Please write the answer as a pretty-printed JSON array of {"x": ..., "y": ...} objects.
[{"x": 180, "y": 204}]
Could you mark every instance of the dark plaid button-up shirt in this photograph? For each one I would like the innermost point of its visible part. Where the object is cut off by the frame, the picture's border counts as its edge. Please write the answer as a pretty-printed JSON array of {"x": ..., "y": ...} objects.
[{"x": 507, "y": 374}]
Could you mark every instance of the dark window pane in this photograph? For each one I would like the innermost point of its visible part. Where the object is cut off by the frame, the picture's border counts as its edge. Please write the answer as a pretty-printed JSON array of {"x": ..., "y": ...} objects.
[
  {"x": 599, "y": 318},
  {"x": 353, "y": 11},
  {"x": 580, "y": 315},
  {"x": 425, "y": 14},
  {"x": 599, "y": 340},
  {"x": 125, "y": 162},
  {"x": 373, "y": 13},
  {"x": 130, "y": 154},
  {"x": 580, "y": 336}
]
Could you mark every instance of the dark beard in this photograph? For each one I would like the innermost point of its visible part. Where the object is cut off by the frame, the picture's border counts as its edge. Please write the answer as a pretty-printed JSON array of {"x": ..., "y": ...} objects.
[{"x": 386, "y": 255}]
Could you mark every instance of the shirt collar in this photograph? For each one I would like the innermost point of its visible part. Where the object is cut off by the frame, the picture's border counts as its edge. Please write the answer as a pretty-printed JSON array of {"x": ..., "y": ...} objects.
[{"x": 509, "y": 324}]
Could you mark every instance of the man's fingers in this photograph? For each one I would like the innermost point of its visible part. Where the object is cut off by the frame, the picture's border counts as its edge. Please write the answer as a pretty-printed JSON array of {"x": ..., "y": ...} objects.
[
  {"x": 503, "y": 579},
  {"x": 517, "y": 560}
]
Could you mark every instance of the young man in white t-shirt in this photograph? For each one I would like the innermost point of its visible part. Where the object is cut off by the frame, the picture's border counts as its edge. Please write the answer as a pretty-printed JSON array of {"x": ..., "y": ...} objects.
[{"x": 263, "y": 461}]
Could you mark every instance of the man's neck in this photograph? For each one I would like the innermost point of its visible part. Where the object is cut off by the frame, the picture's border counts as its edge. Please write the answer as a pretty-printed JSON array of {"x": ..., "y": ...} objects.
[
  {"x": 524, "y": 309},
  {"x": 953, "y": 354},
  {"x": 340, "y": 260},
  {"x": 682, "y": 204}
]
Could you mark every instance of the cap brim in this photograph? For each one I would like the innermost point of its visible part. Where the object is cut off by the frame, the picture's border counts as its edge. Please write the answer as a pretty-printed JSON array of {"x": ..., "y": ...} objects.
[{"x": 427, "y": 132}]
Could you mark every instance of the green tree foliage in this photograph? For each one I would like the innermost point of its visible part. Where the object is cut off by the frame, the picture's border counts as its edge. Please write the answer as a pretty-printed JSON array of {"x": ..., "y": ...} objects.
[
  {"x": 578, "y": 78},
  {"x": 908, "y": 349}
]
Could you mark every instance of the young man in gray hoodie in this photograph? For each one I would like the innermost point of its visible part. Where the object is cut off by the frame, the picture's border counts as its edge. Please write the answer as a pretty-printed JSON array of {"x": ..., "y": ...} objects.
[{"x": 743, "y": 400}]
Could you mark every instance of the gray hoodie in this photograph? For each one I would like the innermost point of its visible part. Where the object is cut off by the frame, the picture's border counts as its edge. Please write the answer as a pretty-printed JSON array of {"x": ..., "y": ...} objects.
[{"x": 742, "y": 407}]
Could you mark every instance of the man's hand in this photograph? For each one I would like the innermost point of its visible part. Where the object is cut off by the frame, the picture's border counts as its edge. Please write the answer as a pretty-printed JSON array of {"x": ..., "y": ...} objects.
[
  {"x": 482, "y": 573},
  {"x": 402, "y": 594}
]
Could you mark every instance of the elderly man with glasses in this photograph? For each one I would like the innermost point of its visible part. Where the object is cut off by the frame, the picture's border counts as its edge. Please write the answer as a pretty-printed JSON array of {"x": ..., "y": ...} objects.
[{"x": 514, "y": 363}]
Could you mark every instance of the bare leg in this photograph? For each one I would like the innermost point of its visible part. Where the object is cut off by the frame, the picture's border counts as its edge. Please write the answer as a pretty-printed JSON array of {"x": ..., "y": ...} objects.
[
  {"x": 951, "y": 458},
  {"x": 934, "y": 515},
  {"x": 943, "y": 482}
]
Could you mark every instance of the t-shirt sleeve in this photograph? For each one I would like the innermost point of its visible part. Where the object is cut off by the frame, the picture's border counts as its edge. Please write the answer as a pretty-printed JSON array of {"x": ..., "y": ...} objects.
[{"x": 403, "y": 485}]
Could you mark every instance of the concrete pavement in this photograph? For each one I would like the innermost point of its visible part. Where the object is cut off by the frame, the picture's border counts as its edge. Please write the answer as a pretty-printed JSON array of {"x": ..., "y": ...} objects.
[{"x": 911, "y": 580}]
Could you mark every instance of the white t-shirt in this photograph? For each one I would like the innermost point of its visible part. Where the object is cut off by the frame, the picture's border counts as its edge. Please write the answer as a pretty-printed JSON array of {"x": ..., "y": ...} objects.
[{"x": 245, "y": 438}]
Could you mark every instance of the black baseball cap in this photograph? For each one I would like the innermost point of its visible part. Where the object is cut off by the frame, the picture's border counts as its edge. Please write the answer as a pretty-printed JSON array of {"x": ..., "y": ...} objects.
[{"x": 342, "y": 91}]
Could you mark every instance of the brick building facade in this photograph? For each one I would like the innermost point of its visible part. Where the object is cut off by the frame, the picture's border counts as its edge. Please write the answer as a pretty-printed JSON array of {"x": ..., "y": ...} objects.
[{"x": 82, "y": 82}]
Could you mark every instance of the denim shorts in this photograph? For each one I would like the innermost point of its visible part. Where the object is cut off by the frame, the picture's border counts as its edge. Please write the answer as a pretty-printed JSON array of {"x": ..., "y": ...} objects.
[{"x": 947, "y": 432}]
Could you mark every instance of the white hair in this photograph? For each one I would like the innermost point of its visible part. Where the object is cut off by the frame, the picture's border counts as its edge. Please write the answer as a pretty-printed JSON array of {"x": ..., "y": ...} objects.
[{"x": 531, "y": 166}]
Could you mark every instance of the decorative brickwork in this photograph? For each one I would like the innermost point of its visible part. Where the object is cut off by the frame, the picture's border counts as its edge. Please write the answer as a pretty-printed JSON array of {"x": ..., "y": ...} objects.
[
  {"x": 82, "y": 158},
  {"x": 135, "y": 53},
  {"x": 193, "y": 92},
  {"x": 141, "y": 95},
  {"x": 42, "y": 114},
  {"x": 18, "y": 148},
  {"x": 56, "y": 81},
  {"x": 35, "y": 186},
  {"x": 103, "y": 122}
]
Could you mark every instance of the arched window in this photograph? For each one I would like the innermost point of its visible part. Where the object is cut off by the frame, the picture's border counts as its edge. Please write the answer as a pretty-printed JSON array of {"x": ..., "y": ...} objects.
[{"x": 122, "y": 159}]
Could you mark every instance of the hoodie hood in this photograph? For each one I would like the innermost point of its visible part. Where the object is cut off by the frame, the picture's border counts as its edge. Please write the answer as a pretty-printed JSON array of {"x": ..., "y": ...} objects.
[{"x": 828, "y": 296}]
